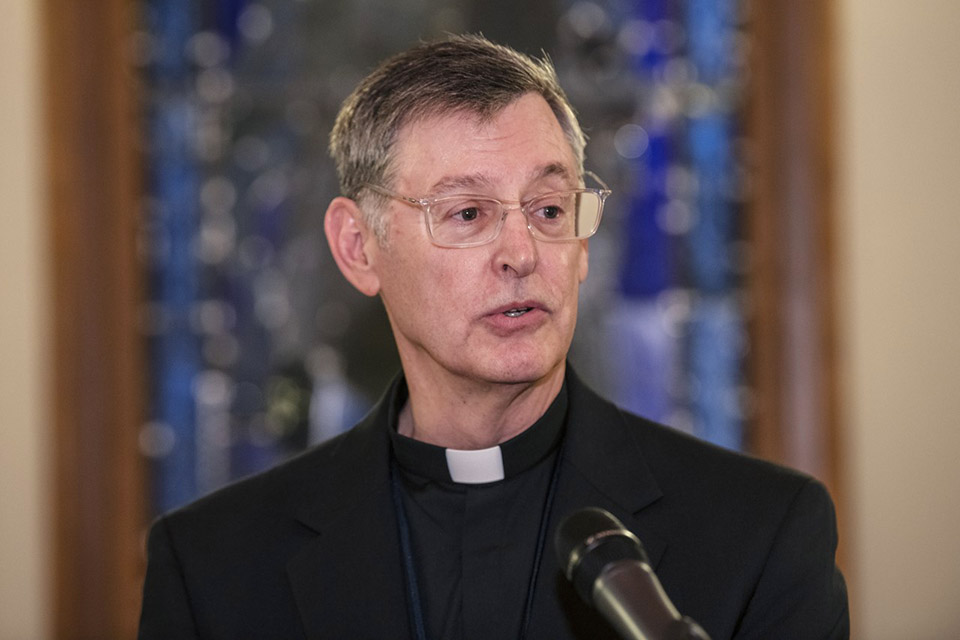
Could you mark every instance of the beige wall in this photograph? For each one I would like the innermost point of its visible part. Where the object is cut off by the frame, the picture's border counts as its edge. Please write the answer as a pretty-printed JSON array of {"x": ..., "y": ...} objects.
[
  {"x": 24, "y": 338},
  {"x": 899, "y": 225}
]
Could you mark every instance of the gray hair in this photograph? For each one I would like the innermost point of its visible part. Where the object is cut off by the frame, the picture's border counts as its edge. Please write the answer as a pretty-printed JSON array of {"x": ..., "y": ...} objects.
[{"x": 464, "y": 73}]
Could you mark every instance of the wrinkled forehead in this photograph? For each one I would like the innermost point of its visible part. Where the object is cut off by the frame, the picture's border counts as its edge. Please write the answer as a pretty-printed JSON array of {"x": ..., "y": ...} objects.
[{"x": 466, "y": 145}]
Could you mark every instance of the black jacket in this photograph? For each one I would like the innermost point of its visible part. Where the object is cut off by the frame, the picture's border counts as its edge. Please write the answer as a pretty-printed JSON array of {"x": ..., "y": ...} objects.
[{"x": 310, "y": 549}]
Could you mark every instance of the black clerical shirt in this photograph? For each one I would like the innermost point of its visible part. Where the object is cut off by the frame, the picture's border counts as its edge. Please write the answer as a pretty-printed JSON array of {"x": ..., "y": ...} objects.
[{"x": 475, "y": 544}]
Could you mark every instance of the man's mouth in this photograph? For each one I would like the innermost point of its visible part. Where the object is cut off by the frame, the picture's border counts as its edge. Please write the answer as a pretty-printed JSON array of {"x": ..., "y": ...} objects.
[{"x": 516, "y": 313}]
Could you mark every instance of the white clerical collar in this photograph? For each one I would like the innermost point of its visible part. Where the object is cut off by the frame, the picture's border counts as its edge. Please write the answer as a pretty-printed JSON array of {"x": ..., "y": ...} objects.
[
  {"x": 482, "y": 466},
  {"x": 476, "y": 466}
]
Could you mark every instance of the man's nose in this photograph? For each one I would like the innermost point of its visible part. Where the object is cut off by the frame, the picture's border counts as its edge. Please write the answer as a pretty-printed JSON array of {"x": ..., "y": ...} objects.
[{"x": 516, "y": 247}]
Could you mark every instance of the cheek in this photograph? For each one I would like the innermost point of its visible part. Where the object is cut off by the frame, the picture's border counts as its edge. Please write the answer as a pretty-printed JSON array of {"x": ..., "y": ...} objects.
[
  {"x": 422, "y": 294},
  {"x": 570, "y": 269},
  {"x": 582, "y": 261}
]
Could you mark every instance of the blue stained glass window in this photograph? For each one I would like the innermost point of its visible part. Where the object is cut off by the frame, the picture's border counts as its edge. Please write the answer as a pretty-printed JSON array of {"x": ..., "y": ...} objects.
[{"x": 259, "y": 347}]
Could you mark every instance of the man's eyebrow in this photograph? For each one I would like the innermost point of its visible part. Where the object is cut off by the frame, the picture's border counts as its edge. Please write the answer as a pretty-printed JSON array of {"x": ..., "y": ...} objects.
[
  {"x": 468, "y": 182},
  {"x": 554, "y": 169},
  {"x": 479, "y": 182}
]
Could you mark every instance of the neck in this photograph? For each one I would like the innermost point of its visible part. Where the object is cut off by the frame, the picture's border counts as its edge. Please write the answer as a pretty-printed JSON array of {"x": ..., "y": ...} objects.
[{"x": 475, "y": 415}]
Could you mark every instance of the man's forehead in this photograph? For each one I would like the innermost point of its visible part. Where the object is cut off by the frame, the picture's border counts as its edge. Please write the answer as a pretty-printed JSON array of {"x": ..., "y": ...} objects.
[{"x": 448, "y": 141}]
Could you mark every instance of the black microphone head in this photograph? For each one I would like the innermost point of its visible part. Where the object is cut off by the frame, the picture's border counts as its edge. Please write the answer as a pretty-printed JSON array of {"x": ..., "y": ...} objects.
[{"x": 590, "y": 539}]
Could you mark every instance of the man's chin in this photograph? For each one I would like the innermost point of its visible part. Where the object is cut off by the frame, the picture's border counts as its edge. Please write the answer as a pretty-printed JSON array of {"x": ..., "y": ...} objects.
[{"x": 513, "y": 369}]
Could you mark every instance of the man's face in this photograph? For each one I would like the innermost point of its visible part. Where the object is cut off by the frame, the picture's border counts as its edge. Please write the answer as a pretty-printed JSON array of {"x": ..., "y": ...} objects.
[{"x": 503, "y": 312}]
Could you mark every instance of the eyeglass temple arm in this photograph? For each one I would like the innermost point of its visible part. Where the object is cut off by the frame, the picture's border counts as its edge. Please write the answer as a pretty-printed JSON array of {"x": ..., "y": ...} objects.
[
  {"x": 389, "y": 194},
  {"x": 591, "y": 174}
]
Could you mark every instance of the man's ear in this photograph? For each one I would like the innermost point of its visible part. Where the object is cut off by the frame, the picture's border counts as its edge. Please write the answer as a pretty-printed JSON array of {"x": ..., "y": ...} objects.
[{"x": 352, "y": 244}]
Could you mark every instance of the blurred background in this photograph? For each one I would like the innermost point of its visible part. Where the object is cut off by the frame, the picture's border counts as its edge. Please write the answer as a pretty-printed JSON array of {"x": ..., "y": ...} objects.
[
  {"x": 772, "y": 274},
  {"x": 257, "y": 347}
]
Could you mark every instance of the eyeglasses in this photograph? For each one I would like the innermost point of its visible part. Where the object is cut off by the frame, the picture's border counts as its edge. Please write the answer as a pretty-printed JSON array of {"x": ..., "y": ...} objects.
[{"x": 470, "y": 220}]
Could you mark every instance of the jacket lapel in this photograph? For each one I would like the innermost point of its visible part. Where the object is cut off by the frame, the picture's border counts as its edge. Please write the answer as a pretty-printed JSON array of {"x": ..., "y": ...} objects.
[
  {"x": 602, "y": 466},
  {"x": 348, "y": 580},
  {"x": 605, "y": 467}
]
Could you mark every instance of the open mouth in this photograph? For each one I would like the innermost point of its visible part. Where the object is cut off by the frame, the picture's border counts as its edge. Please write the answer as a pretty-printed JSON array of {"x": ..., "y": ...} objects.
[{"x": 516, "y": 313}]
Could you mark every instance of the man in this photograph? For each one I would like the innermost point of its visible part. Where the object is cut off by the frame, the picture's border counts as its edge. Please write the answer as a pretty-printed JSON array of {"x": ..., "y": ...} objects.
[{"x": 433, "y": 517}]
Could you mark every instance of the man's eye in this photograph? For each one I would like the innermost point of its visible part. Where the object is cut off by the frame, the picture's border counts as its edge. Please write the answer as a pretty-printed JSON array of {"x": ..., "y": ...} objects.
[
  {"x": 468, "y": 214},
  {"x": 551, "y": 212},
  {"x": 464, "y": 211}
]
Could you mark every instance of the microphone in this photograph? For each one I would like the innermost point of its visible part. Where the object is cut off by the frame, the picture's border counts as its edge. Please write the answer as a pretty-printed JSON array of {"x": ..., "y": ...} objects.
[{"x": 609, "y": 569}]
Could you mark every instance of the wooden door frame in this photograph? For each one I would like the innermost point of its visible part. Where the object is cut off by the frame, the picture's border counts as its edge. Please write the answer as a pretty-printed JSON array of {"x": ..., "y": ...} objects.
[
  {"x": 790, "y": 215},
  {"x": 792, "y": 283},
  {"x": 94, "y": 182}
]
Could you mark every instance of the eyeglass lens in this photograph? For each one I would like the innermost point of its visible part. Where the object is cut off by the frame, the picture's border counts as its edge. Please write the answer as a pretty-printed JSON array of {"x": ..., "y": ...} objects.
[{"x": 461, "y": 220}]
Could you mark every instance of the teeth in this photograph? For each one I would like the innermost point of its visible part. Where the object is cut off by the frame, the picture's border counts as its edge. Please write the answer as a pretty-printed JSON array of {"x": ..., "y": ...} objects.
[{"x": 516, "y": 313}]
